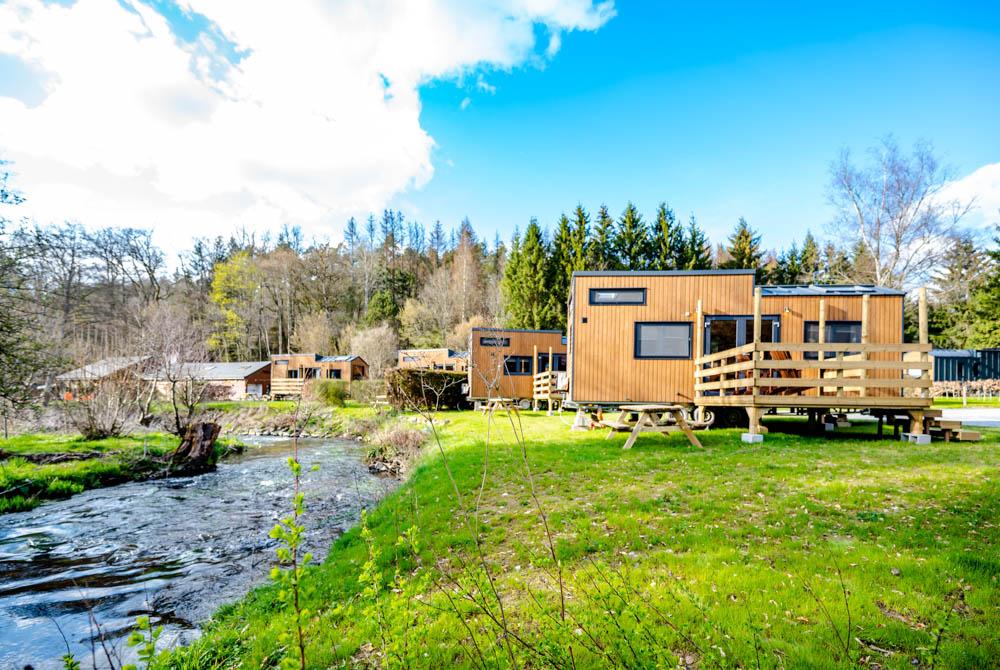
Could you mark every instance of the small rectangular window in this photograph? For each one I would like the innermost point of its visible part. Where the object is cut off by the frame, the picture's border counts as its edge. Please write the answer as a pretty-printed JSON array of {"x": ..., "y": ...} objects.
[
  {"x": 494, "y": 341},
  {"x": 662, "y": 340},
  {"x": 558, "y": 362},
  {"x": 293, "y": 374},
  {"x": 617, "y": 296},
  {"x": 517, "y": 365},
  {"x": 281, "y": 362},
  {"x": 837, "y": 332},
  {"x": 333, "y": 374}
]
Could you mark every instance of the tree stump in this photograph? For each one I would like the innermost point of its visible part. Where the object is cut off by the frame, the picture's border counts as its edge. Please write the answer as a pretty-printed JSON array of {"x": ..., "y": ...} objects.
[{"x": 195, "y": 452}]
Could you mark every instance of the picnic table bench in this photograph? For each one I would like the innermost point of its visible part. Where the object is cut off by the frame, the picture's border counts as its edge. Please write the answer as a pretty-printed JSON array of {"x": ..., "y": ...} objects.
[
  {"x": 499, "y": 405},
  {"x": 660, "y": 419}
]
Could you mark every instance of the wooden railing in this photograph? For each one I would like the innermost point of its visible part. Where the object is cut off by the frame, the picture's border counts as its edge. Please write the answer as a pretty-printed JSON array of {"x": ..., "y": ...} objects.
[
  {"x": 545, "y": 386},
  {"x": 289, "y": 387},
  {"x": 777, "y": 373},
  {"x": 864, "y": 374}
]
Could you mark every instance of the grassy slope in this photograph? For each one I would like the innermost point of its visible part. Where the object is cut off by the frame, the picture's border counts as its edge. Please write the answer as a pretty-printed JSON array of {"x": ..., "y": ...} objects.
[
  {"x": 24, "y": 485},
  {"x": 709, "y": 552},
  {"x": 971, "y": 402}
]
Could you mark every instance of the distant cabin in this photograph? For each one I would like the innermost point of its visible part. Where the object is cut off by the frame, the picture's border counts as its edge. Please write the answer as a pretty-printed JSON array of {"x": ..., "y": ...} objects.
[
  {"x": 503, "y": 362},
  {"x": 433, "y": 359},
  {"x": 222, "y": 381},
  {"x": 83, "y": 378},
  {"x": 289, "y": 372},
  {"x": 966, "y": 365}
]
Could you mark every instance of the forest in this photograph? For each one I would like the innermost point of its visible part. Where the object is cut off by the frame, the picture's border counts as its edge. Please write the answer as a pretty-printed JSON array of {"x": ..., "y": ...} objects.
[{"x": 72, "y": 293}]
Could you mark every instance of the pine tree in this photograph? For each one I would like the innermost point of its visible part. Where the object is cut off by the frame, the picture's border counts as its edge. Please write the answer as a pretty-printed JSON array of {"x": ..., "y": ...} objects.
[
  {"x": 632, "y": 242},
  {"x": 561, "y": 268},
  {"x": 787, "y": 267},
  {"x": 601, "y": 252},
  {"x": 744, "y": 247},
  {"x": 528, "y": 303},
  {"x": 985, "y": 303},
  {"x": 698, "y": 252},
  {"x": 810, "y": 261},
  {"x": 837, "y": 265},
  {"x": 437, "y": 243},
  {"x": 579, "y": 240},
  {"x": 668, "y": 236}
]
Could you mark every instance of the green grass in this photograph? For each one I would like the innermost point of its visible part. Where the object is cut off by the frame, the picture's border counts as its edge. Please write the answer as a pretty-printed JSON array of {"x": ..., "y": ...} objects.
[
  {"x": 972, "y": 402},
  {"x": 24, "y": 485},
  {"x": 732, "y": 557}
]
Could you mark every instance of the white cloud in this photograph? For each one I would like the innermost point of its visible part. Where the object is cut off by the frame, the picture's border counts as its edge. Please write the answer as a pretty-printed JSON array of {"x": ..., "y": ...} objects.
[
  {"x": 466, "y": 101},
  {"x": 982, "y": 188},
  {"x": 318, "y": 119}
]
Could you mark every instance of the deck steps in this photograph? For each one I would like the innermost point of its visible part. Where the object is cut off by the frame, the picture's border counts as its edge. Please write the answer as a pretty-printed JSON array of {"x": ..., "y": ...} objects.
[{"x": 949, "y": 429}]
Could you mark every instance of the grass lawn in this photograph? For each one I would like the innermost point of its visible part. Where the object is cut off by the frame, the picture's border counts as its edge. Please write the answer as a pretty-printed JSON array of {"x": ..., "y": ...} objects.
[
  {"x": 24, "y": 484},
  {"x": 972, "y": 402},
  {"x": 798, "y": 552}
]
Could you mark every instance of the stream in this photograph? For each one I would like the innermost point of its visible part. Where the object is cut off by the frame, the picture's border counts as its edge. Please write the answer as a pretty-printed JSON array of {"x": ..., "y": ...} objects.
[{"x": 175, "y": 549}]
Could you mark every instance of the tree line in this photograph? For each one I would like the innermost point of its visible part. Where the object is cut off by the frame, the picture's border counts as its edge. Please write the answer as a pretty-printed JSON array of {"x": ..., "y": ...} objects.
[{"x": 70, "y": 294}]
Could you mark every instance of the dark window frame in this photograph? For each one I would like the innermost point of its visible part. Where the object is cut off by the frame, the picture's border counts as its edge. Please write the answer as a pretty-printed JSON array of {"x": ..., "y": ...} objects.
[
  {"x": 813, "y": 355},
  {"x": 591, "y": 301},
  {"x": 635, "y": 341},
  {"x": 520, "y": 359},
  {"x": 493, "y": 341},
  {"x": 543, "y": 361}
]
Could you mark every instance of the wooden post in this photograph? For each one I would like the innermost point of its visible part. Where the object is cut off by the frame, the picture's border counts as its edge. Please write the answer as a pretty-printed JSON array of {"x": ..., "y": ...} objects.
[
  {"x": 922, "y": 318},
  {"x": 534, "y": 372},
  {"x": 864, "y": 341},
  {"x": 756, "y": 354},
  {"x": 699, "y": 345},
  {"x": 821, "y": 338},
  {"x": 552, "y": 373}
]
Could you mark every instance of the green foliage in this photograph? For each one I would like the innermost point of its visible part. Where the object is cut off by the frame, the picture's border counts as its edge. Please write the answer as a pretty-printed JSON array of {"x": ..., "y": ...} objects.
[
  {"x": 560, "y": 270},
  {"x": 985, "y": 307},
  {"x": 69, "y": 662},
  {"x": 526, "y": 295},
  {"x": 632, "y": 243},
  {"x": 382, "y": 308},
  {"x": 144, "y": 640},
  {"x": 744, "y": 247},
  {"x": 668, "y": 235},
  {"x": 234, "y": 283},
  {"x": 430, "y": 389},
  {"x": 698, "y": 252},
  {"x": 601, "y": 250},
  {"x": 331, "y": 392}
]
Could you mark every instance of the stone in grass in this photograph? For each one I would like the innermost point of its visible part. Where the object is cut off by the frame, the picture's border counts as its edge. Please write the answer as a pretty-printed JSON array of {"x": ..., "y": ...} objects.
[
  {"x": 896, "y": 572},
  {"x": 752, "y": 438}
]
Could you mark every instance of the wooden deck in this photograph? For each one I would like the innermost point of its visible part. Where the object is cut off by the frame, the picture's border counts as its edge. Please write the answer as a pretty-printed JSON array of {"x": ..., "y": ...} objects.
[{"x": 839, "y": 376}]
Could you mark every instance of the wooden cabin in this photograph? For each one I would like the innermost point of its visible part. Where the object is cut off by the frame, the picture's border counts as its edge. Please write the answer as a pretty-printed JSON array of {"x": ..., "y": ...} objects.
[
  {"x": 433, "y": 359},
  {"x": 714, "y": 338},
  {"x": 221, "y": 381},
  {"x": 503, "y": 362},
  {"x": 289, "y": 372}
]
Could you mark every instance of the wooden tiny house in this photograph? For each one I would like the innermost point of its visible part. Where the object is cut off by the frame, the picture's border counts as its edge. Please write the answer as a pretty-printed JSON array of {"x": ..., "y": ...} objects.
[
  {"x": 289, "y": 372},
  {"x": 714, "y": 338},
  {"x": 503, "y": 362},
  {"x": 433, "y": 359}
]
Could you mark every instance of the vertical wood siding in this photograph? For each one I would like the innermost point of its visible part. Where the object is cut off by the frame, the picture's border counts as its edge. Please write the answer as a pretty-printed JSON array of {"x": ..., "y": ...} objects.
[{"x": 486, "y": 376}]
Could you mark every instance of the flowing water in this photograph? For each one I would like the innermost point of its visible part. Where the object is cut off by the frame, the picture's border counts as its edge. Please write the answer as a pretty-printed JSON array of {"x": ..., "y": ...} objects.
[{"x": 174, "y": 549}]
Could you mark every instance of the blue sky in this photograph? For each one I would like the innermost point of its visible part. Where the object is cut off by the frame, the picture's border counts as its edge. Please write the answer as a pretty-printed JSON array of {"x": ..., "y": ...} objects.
[
  {"x": 721, "y": 112},
  {"x": 199, "y": 117}
]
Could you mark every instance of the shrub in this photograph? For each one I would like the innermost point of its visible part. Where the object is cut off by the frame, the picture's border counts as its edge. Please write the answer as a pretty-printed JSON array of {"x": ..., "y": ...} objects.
[
  {"x": 331, "y": 392},
  {"x": 394, "y": 448},
  {"x": 426, "y": 389},
  {"x": 365, "y": 390}
]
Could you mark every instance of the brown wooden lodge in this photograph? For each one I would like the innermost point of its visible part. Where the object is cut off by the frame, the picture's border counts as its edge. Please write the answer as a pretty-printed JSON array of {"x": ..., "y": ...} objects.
[{"x": 289, "y": 372}]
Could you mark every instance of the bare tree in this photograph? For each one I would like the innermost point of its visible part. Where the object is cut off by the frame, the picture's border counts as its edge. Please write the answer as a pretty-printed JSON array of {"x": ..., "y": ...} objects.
[
  {"x": 175, "y": 352},
  {"x": 894, "y": 211},
  {"x": 378, "y": 346}
]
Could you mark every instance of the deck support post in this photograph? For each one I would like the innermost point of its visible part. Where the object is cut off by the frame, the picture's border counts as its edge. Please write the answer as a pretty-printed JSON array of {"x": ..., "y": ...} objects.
[
  {"x": 699, "y": 345},
  {"x": 755, "y": 433},
  {"x": 756, "y": 354},
  {"x": 821, "y": 338},
  {"x": 922, "y": 318},
  {"x": 551, "y": 377}
]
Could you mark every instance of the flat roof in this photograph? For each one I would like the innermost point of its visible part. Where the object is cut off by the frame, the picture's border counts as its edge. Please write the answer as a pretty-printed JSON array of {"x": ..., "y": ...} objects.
[
  {"x": 955, "y": 353},
  {"x": 515, "y": 330},
  {"x": 657, "y": 273},
  {"x": 827, "y": 289}
]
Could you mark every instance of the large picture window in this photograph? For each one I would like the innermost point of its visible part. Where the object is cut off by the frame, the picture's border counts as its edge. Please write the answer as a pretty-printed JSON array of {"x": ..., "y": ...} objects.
[
  {"x": 662, "y": 339},
  {"x": 494, "y": 341},
  {"x": 517, "y": 365},
  {"x": 617, "y": 296},
  {"x": 837, "y": 332}
]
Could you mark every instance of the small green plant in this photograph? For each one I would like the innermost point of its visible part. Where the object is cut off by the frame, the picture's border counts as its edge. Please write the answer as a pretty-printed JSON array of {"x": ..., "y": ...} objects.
[
  {"x": 69, "y": 662},
  {"x": 331, "y": 392},
  {"x": 145, "y": 639}
]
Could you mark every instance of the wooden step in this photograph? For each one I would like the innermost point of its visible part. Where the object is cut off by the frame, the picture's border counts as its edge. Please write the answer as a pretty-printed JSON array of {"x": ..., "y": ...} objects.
[
  {"x": 968, "y": 436},
  {"x": 949, "y": 424},
  {"x": 933, "y": 413}
]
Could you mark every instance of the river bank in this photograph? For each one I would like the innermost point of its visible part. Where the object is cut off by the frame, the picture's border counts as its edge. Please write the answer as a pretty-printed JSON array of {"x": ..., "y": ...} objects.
[
  {"x": 174, "y": 549},
  {"x": 662, "y": 555}
]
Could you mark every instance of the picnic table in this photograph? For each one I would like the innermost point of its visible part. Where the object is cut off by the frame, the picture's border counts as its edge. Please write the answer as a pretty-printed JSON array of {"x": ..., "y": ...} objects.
[
  {"x": 661, "y": 419},
  {"x": 499, "y": 405}
]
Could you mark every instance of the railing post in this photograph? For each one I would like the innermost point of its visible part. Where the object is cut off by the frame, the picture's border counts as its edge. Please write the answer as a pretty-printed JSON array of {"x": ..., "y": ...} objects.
[
  {"x": 756, "y": 354},
  {"x": 821, "y": 339},
  {"x": 534, "y": 372},
  {"x": 922, "y": 318},
  {"x": 864, "y": 342},
  {"x": 552, "y": 377},
  {"x": 699, "y": 346}
]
